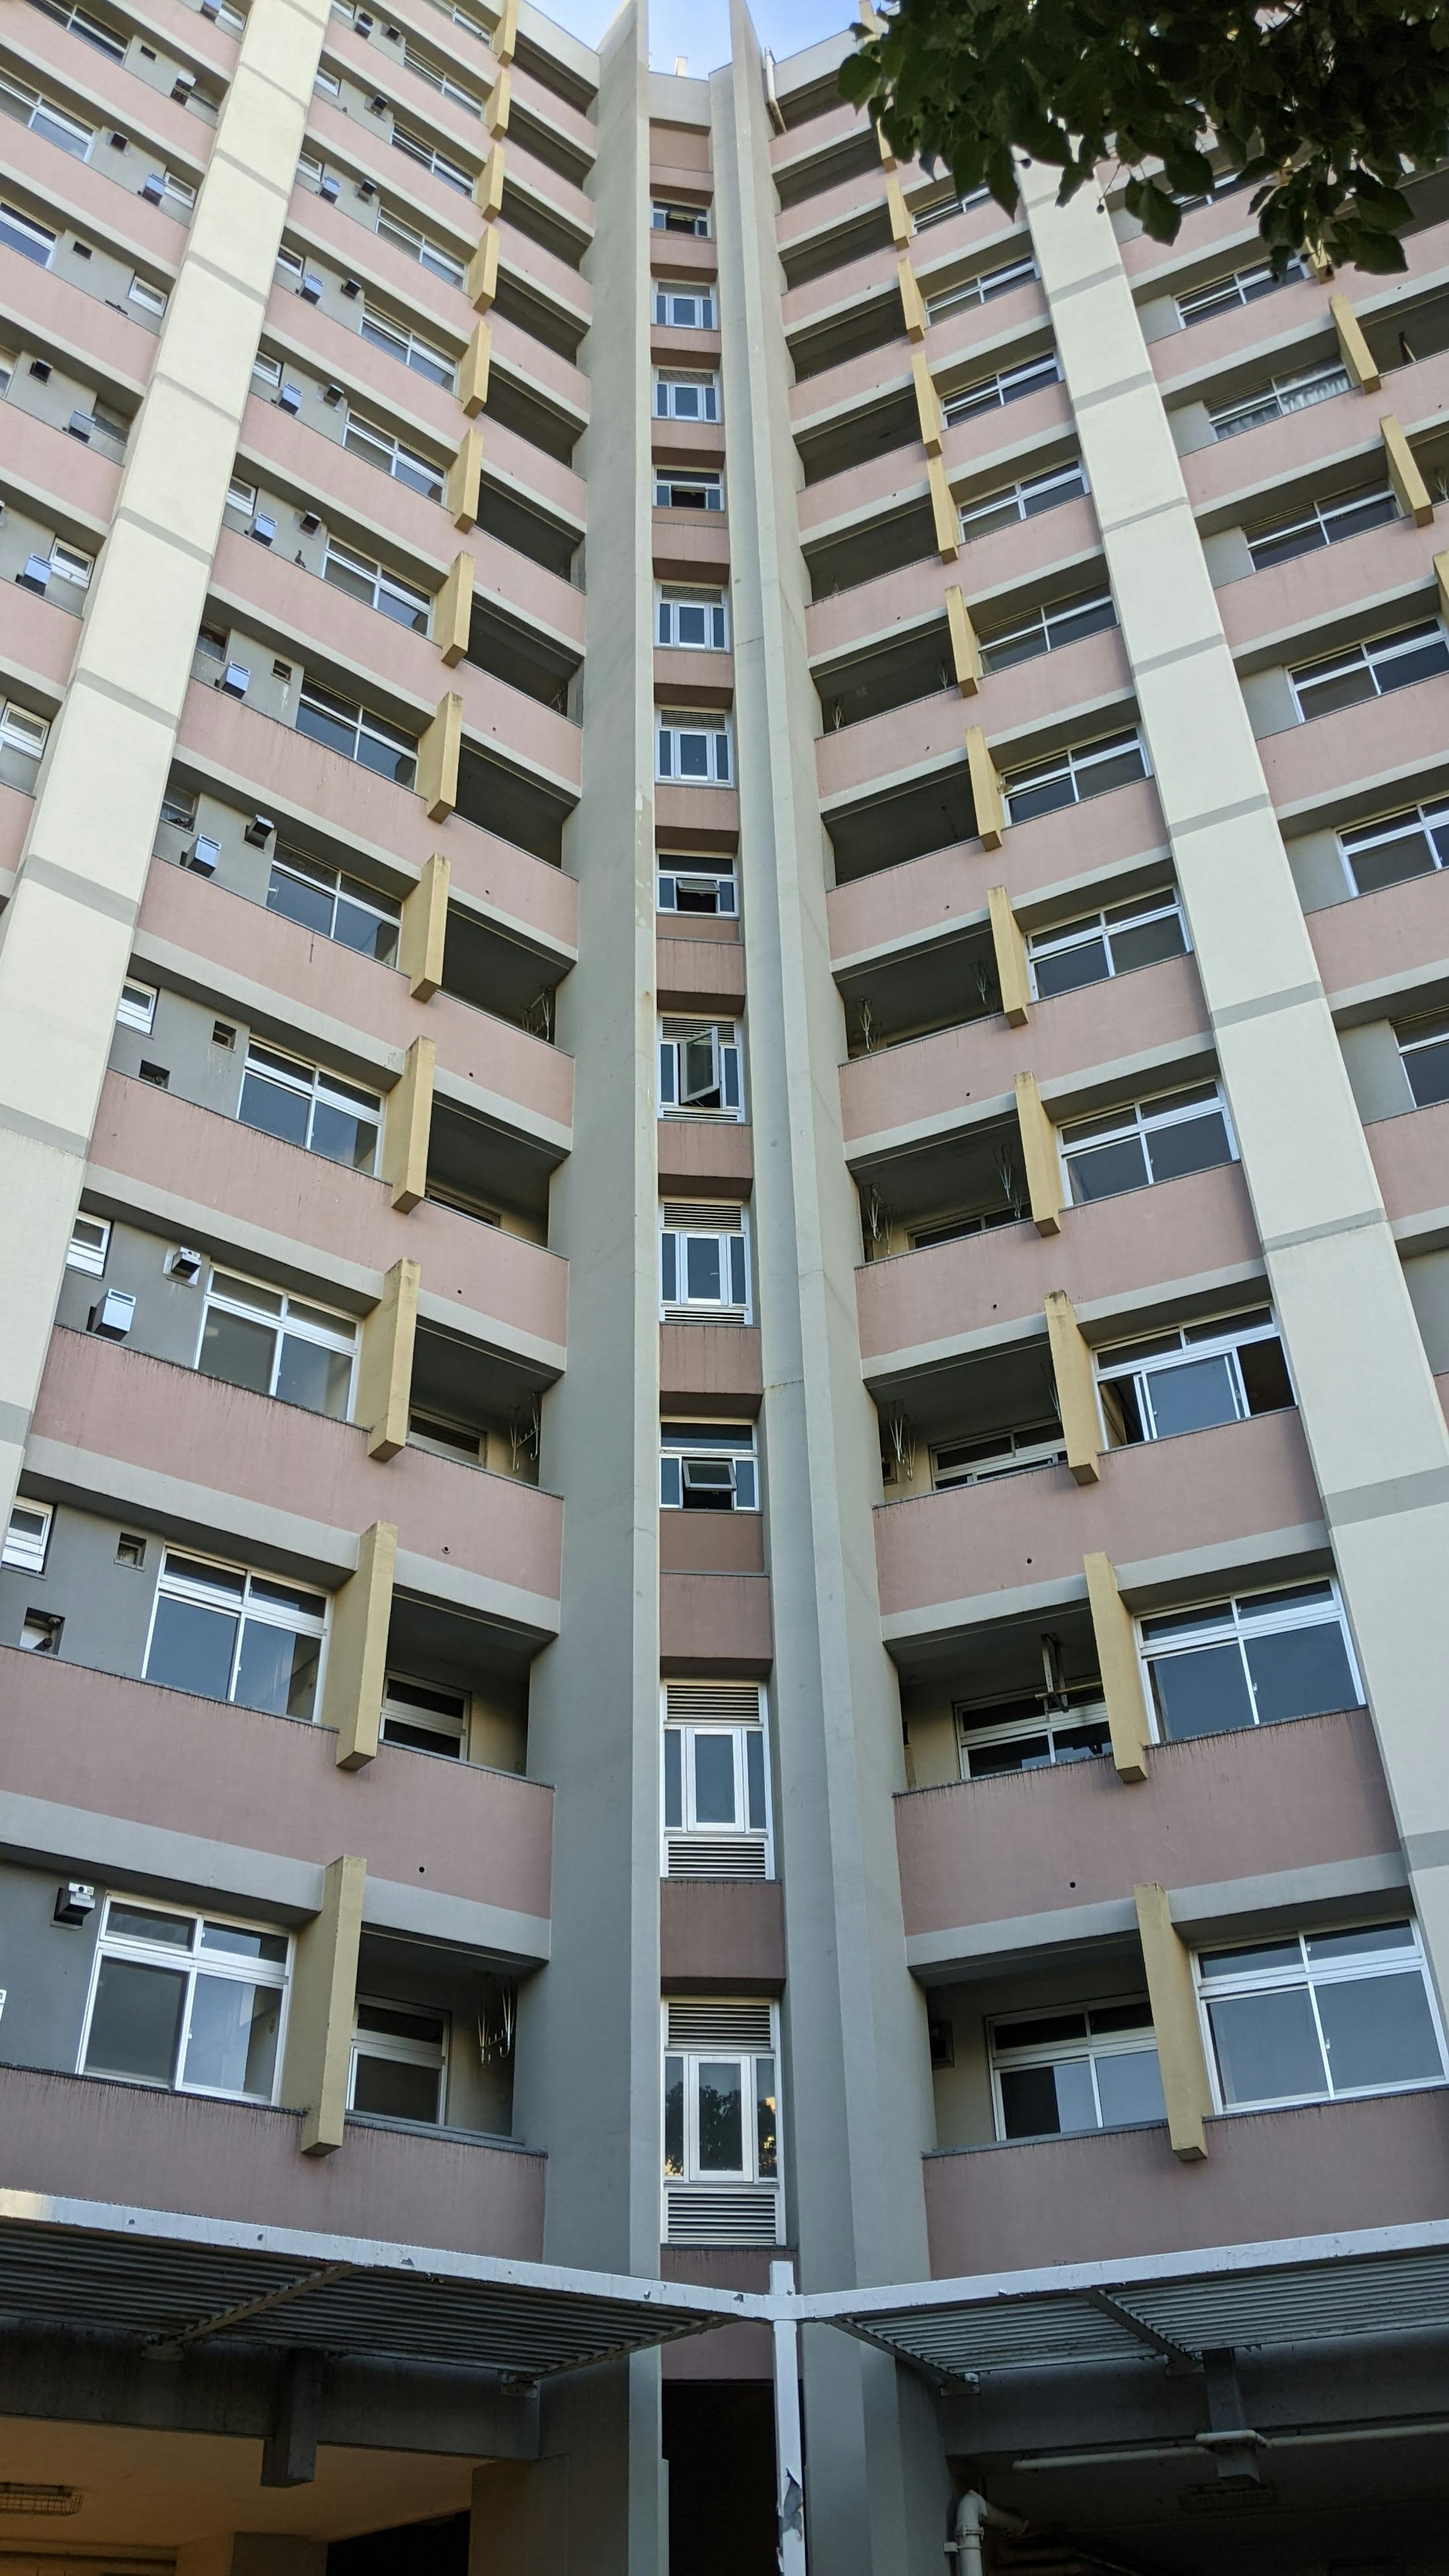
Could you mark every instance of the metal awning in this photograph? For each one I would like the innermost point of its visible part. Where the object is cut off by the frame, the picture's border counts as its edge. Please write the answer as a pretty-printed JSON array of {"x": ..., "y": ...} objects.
[
  {"x": 1383, "y": 2282},
  {"x": 177, "y": 2281}
]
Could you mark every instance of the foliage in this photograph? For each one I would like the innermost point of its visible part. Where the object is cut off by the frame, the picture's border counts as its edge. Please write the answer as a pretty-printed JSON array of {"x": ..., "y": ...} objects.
[{"x": 1319, "y": 102}]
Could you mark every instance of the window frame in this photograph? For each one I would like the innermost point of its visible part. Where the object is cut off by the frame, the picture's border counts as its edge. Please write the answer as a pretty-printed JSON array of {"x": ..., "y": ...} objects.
[
  {"x": 1056, "y": 1712},
  {"x": 1371, "y": 654},
  {"x": 382, "y": 583},
  {"x": 418, "y": 245},
  {"x": 32, "y": 232},
  {"x": 238, "y": 1605},
  {"x": 670, "y": 596},
  {"x": 1133, "y": 1121},
  {"x": 1314, "y": 384},
  {"x": 399, "y": 340},
  {"x": 1020, "y": 493},
  {"x": 665, "y": 290},
  {"x": 1007, "y": 385},
  {"x": 396, "y": 1710},
  {"x": 1137, "y": 913},
  {"x": 726, "y": 1068},
  {"x": 672, "y": 382},
  {"x": 1066, "y": 2051},
  {"x": 708, "y": 480},
  {"x": 286, "y": 1071},
  {"x": 1385, "y": 828},
  {"x": 1320, "y": 515},
  {"x": 304, "y": 870},
  {"x": 673, "y": 868},
  {"x": 345, "y": 1339},
  {"x": 367, "y": 727},
  {"x": 984, "y": 287},
  {"x": 391, "y": 2048},
  {"x": 1429, "y": 1030},
  {"x": 713, "y": 726},
  {"x": 43, "y": 112},
  {"x": 1240, "y": 287},
  {"x": 697, "y": 228},
  {"x": 1074, "y": 763},
  {"x": 1287, "y": 1619},
  {"x": 682, "y": 1729},
  {"x": 1043, "y": 623},
  {"x": 732, "y": 1444},
  {"x": 693, "y": 2173},
  {"x": 686, "y": 1309},
  {"x": 1308, "y": 1976},
  {"x": 403, "y": 464},
  {"x": 24, "y": 1553},
  {"x": 1219, "y": 1337},
  {"x": 428, "y": 157},
  {"x": 193, "y": 1963}
]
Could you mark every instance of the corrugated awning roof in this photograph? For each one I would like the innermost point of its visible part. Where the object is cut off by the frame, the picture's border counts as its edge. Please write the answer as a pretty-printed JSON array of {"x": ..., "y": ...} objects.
[
  {"x": 1381, "y": 2281},
  {"x": 176, "y": 2281}
]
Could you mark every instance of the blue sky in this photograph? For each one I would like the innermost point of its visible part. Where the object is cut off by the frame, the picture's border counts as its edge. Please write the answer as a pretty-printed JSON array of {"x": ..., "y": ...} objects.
[{"x": 699, "y": 29}]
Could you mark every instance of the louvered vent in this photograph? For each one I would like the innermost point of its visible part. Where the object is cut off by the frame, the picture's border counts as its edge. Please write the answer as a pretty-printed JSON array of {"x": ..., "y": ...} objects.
[
  {"x": 745, "y": 2216},
  {"x": 702, "y": 1218},
  {"x": 714, "y": 1856},
  {"x": 712, "y": 1703},
  {"x": 706, "y": 2024}
]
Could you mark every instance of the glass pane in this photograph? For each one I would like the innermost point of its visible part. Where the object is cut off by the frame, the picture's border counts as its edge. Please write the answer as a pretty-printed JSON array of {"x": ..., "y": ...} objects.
[
  {"x": 1401, "y": 670},
  {"x": 191, "y": 1648},
  {"x": 240, "y": 1942},
  {"x": 1428, "y": 1070},
  {"x": 1029, "y": 2102},
  {"x": 1147, "y": 944},
  {"x": 1026, "y": 802},
  {"x": 1363, "y": 1940},
  {"x": 765, "y": 2140},
  {"x": 1196, "y": 1145},
  {"x": 674, "y": 2115},
  {"x": 1378, "y": 2030},
  {"x": 309, "y": 904},
  {"x": 393, "y": 2091},
  {"x": 140, "y": 1923},
  {"x": 343, "y": 1138},
  {"x": 1023, "y": 1753},
  {"x": 1108, "y": 1170},
  {"x": 338, "y": 732},
  {"x": 1389, "y": 862},
  {"x": 1192, "y": 1398},
  {"x": 1071, "y": 968},
  {"x": 673, "y": 1780},
  {"x": 136, "y": 2020},
  {"x": 232, "y": 2044},
  {"x": 275, "y": 1111},
  {"x": 1265, "y": 1377},
  {"x": 714, "y": 1780},
  {"x": 276, "y": 1670},
  {"x": 755, "y": 1777},
  {"x": 1258, "y": 1957},
  {"x": 1301, "y": 1673},
  {"x": 1082, "y": 1743},
  {"x": 357, "y": 928},
  {"x": 1267, "y": 2046},
  {"x": 1130, "y": 2088},
  {"x": 1099, "y": 777},
  {"x": 702, "y": 1273},
  {"x": 1325, "y": 697},
  {"x": 238, "y": 1351},
  {"x": 318, "y": 1378},
  {"x": 721, "y": 2117},
  {"x": 1203, "y": 1693}
]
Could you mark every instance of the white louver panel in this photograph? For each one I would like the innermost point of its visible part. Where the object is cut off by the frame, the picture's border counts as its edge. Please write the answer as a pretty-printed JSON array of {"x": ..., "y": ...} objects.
[
  {"x": 712, "y": 1703},
  {"x": 706, "y": 2024},
  {"x": 714, "y": 1856},
  {"x": 747, "y": 2214},
  {"x": 700, "y": 1216}
]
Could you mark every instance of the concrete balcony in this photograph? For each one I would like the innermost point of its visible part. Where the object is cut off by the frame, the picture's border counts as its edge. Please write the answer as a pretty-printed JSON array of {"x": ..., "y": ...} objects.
[
  {"x": 1389, "y": 570},
  {"x": 712, "y": 1542},
  {"x": 1085, "y": 688},
  {"x": 79, "y": 2137},
  {"x": 1383, "y": 744},
  {"x": 706, "y": 1155},
  {"x": 995, "y": 447},
  {"x": 1281, "y": 328},
  {"x": 950, "y": 1561},
  {"x": 376, "y": 659},
  {"x": 1004, "y": 561},
  {"x": 44, "y": 460},
  {"x": 690, "y": 679},
  {"x": 154, "y": 1154},
  {"x": 82, "y": 195},
  {"x": 1225, "y": 225},
  {"x": 721, "y": 1935},
  {"x": 899, "y": 907},
  {"x": 820, "y": 134},
  {"x": 305, "y": 464},
  {"x": 118, "y": 96},
  {"x": 700, "y": 972},
  {"x": 75, "y": 331},
  {"x": 199, "y": 934},
  {"x": 1244, "y": 472},
  {"x": 1411, "y": 1157},
  {"x": 994, "y": 1869},
  {"x": 96, "y": 1752},
  {"x": 709, "y": 1369},
  {"x": 855, "y": 281},
  {"x": 681, "y": 254},
  {"x": 1268, "y": 2174},
  {"x": 37, "y": 639},
  {"x": 691, "y": 545},
  {"x": 828, "y": 210},
  {"x": 695, "y": 818},
  {"x": 920, "y": 1307},
  {"x": 713, "y": 1624},
  {"x": 1374, "y": 945},
  {"x": 935, "y": 1082},
  {"x": 224, "y": 744},
  {"x": 215, "y": 1463}
]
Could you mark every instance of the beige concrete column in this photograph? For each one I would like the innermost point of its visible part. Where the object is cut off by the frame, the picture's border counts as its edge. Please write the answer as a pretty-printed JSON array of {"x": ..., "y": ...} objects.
[
  {"x": 1118, "y": 1665},
  {"x": 321, "y": 2007},
  {"x": 1370, "y": 1409},
  {"x": 352, "y": 1684},
  {"x": 65, "y": 941},
  {"x": 1181, "y": 2059}
]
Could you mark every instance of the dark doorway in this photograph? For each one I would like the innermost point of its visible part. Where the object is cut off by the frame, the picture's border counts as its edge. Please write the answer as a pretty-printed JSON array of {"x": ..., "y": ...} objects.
[{"x": 719, "y": 2440}]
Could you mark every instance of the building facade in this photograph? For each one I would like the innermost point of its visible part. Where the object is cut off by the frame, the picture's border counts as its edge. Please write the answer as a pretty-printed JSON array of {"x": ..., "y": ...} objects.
[{"x": 707, "y": 881}]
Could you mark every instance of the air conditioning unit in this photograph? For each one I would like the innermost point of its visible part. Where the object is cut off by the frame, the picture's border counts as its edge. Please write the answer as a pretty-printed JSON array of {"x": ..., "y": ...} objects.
[
  {"x": 290, "y": 399},
  {"x": 184, "y": 1265},
  {"x": 259, "y": 831},
  {"x": 114, "y": 1315},
  {"x": 74, "y": 1900},
  {"x": 264, "y": 528},
  {"x": 329, "y": 188},
  {"x": 235, "y": 679},
  {"x": 153, "y": 187},
  {"x": 203, "y": 855},
  {"x": 35, "y": 575},
  {"x": 310, "y": 289}
]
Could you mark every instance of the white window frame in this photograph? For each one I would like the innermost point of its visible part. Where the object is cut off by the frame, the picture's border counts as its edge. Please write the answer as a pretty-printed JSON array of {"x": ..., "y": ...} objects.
[
  {"x": 79, "y": 22},
  {"x": 1112, "y": 922},
  {"x": 374, "y": 585},
  {"x": 1150, "y": 1355},
  {"x": 442, "y": 81},
  {"x": 426, "y": 1721},
  {"x": 1375, "y": 654},
  {"x": 89, "y": 1257},
  {"x": 366, "y": 728},
  {"x": 1232, "y": 1619},
  {"x": 1048, "y": 630},
  {"x": 675, "y": 1229},
  {"x": 379, "y": 448},
  {"x": 730, "y": 2053},
  {"x": 452, "y": 174},
  {"x": 683, "y": 1080},
  {"x": 668, "y": 290},
  {"x": 1418, "y": 1037},
  {"x": 1144, "y": 1119},
  {"x": 227, "y": 1294},
  {"x": 1309, "y": 1975},
  {"x": 341, "y": 888},
  {"x": 711, "y": 726},
  {"x": 1076, "y": 765},
  {"x": 1322, "y": 516},
  {"x": 1091, "y": 2046},
  {"x": 427, "y": 253},
  {"x": 695, "y": 1848},
  {"x": 1228, "y": 294},
  {"x": 41, "y": 114},
  {"x": 136, "y": 1008},
  {"x": 686, "y": 1445},
  {"x": 1008, "y": 385},
  {"x": 267, "y": 371},
  {"x": 1050, "y": 1714},
  {"x": 21, "y": 232},
  {"x": 661, "y": 208},
  {"x": 983, "y": 288},
  {"x": 1006, "y": 1453},
  {"x": 26, "y": 1549},
  {"x": 241, "y": 496},
  {"x": 310, "y": 1082},
  {"x": 1067, "y": 482},
  {"x": 23, "y": 732},
  {"x": 687, "y": 394},
  {"x": 1430, "y": 819},
  {"x": 274, "y": 1976},
  {"x": 709, "y": 482},
  {"x": 698, "y": 874},
  {"x": 151, "y": 299},
  {"x": 397, "y": 2051},
  {"x": 326, "y": 84},
  {"x": 671, "y": 597},
  {"x": 238, "y": 1605},
  {"x": 940, "y": 209},
  {"x": 398, "y": 340},
  {"x": 1297, "y": 392},
  {"x": 69, "y": 564}
]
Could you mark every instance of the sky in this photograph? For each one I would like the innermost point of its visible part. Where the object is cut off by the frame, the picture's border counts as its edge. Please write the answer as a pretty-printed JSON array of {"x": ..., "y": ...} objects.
[{"x": 698, "y": 30}]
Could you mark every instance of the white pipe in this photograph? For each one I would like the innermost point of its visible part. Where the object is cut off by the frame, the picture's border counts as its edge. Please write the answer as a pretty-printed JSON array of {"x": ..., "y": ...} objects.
[
  {"x": 789, "y": 2455},
  {"x": 972, "y": 2514}
]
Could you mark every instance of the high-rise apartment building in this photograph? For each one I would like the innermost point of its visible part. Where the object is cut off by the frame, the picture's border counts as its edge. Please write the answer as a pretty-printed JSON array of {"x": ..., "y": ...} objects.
[{"x": 724, "y": 1039}]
